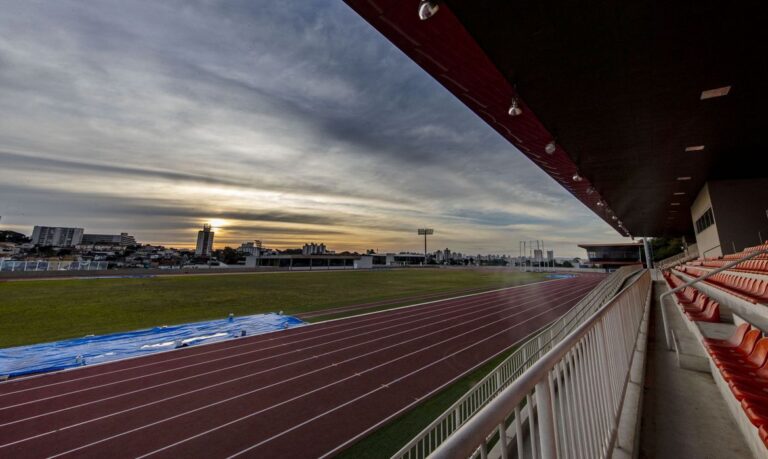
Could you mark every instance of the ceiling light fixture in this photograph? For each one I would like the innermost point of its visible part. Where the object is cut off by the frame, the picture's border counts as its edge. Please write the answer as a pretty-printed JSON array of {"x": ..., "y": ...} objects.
[
  {"x": 717, "y": 92},
  {"x": 600, "y": 203},
  {"x": 515, "y": 109},
  {"x": 550, "y": 147},
  {"x": 590, "y": 190},
  {"x": 694, "y": 148},
  {"x": 577, "y": 177},
  {"x": 427, "y": 9},
  {"x": 614, "y": 218},
  {"x": 680, "y": 193},
  {"x": 674, "y": 203},
  {"x": 684, "y": 178}
]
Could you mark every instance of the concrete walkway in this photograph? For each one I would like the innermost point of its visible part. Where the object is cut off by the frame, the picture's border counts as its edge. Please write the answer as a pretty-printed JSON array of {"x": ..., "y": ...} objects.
[{"x": 684, "y": 415}]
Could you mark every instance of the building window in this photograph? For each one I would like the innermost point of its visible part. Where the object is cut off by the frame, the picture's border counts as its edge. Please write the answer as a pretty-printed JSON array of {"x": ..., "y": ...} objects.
[{"x": 705, "y": 221}]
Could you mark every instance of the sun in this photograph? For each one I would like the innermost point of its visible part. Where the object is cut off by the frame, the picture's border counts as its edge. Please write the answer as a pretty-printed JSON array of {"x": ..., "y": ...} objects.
[{"x": 218, "y": 224}]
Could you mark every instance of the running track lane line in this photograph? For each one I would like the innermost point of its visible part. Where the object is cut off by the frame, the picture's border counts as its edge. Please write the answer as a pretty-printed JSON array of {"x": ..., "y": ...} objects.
[
  {"x": 337, "y": 407},
  {"x": 391, "y": 301},
  {"x": 491, "y": 303},
  {"x": 506, "y": 330},
  {"x": 398, "y": 312},
  {"x": 175, "y": 381},
  {"x": 448, "y": 304},
  {"x": 356, "y": 357}
]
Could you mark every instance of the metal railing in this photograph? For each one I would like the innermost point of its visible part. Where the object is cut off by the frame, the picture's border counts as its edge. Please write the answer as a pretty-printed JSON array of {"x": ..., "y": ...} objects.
[
  {"x": 568, "y": 403},
  {"x": 512, "y": 367},
  {"x": 691, "y": 253},
  {"x": 45, "y": 265},
  {"x": 667, "y": 335}
]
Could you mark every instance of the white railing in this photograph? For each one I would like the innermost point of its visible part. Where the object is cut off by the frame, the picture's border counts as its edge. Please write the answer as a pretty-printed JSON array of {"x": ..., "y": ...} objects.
[
  {"x": 568, "y": 403},
  {"x": 512, "y": 367},
  {"x": 44, "y": 265},
  {"x": 691, "y": 253}
]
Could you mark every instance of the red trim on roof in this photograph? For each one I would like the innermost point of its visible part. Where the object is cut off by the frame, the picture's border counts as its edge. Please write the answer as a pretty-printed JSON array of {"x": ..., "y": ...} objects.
[{"x": 442, "y": 46}]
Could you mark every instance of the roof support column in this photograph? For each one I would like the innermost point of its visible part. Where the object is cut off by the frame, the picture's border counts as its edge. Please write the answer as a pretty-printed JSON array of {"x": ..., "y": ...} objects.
[{"x": 648, "y": 258}]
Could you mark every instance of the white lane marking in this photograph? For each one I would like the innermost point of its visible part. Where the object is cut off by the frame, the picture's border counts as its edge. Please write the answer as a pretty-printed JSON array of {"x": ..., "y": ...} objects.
[
  {"x": 225, "y": 382},
  {"x": 329, "y": 385},
  {"x": 397, "y": 313},
  {"x": 292, "y": 378},
  {"x": 490, "y": 305},
  {"x": 233, "y": 356}
]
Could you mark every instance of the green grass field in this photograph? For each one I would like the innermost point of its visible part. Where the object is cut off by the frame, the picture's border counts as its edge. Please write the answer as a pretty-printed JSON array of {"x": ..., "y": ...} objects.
[{"x": 40, "y": 311}]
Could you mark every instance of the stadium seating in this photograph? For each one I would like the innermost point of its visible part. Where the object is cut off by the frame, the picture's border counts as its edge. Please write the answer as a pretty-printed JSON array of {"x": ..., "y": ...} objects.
[
  {"x": 746, "y": 288},
  {"x": 711, "y": 313},
  {"x": 695, "y": 304},
  {"x": 687, "y": 295},
  {"x": 732, "y": 342},
  {"x": 744, "y": 348},
  {"x": 742, "y": 358},
  {"x": 749, "y": 266},
  {"x": 742, "y": 364}
]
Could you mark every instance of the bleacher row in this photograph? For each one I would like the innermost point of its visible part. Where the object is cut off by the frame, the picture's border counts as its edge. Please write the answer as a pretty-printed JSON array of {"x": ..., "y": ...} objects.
[
  {"x": 695, "y": 304},
  {"x": 746, "y": 288},
  {"x": 742, "y": 359},
  {"x": 743, "y": 363}
]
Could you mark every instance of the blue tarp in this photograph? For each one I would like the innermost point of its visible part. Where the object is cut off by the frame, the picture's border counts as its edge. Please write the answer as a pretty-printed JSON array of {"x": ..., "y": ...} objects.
[
  {"x": 17, "y": 361},
  {"x": 560, "y": 276}
]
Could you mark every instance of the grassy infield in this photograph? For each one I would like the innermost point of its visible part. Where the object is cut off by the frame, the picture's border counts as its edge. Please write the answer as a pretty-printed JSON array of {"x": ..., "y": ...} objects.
[{"x": 39, "y": 311}]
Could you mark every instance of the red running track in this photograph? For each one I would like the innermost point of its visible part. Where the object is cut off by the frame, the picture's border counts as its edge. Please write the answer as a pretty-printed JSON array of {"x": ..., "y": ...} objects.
[{"x": 305, "y": 392}]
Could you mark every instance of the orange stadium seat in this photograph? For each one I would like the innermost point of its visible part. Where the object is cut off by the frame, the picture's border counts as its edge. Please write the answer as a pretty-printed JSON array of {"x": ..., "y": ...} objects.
[
  {"x": 752, "y": 384},
  {"x": 764, "y": 435},
  {"x": 743, "y": 364},
  {"x": 757, "y": 413},
  {"x": 743, "y": 349},
  {"x": 698, "y": 306},
  {"x": 687, "y": 295},
  {"x": 731, "y": 342},
  {"x": 711, "y": 313}
]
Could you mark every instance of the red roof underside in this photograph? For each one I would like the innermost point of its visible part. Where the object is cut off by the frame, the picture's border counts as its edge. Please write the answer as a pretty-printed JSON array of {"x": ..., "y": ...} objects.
[{"x": 443, "y": 48}]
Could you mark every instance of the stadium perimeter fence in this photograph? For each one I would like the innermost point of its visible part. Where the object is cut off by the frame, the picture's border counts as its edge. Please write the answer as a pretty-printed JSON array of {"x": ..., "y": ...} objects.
[{"x": 44, "y": 265}]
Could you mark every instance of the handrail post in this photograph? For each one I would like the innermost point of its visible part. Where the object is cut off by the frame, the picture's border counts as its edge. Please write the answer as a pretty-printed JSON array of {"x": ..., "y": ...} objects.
[
  {"x": 695, "y": 281},
  {"x": 546, "y": 420}
]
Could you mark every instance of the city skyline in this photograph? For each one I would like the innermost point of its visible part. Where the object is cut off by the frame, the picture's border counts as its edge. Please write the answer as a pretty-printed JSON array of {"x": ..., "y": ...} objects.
[{"x": 286, "y": 121}]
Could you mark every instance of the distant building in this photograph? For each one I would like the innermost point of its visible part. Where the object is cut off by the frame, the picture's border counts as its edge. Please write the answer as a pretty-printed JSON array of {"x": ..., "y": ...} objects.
[
  {"x": 250, "y": 248},
  {"x": 56, "y": 236},
  {"x": 314, "y": 249},
  {"x": 122, "y": 239},
  {"x": 8, "y": 249},
  {"x": 550, "y": 255},
  {"x": 614, "y": 255},
  {"x": 204, "y": 246}
]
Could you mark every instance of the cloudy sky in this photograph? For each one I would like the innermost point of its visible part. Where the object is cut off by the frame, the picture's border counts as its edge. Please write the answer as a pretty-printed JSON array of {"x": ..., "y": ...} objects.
[{"x": 282, "y": 120}]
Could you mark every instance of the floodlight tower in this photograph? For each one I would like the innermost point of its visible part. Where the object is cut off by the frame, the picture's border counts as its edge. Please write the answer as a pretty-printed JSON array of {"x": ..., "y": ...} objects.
[{"x": 426, "y": 232}]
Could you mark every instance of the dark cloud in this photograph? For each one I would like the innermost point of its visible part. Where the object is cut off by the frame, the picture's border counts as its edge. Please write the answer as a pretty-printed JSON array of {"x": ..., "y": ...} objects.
[{"x": 279, "y": 115}]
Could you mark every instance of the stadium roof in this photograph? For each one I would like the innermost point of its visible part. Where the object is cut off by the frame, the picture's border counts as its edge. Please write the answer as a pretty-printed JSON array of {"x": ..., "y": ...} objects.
[
  {"x": 613, "y": 244},
  {"x": 617, "y": 85}
]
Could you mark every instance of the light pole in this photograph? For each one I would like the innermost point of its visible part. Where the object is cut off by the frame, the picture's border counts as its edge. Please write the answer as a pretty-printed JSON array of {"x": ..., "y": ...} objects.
[{"x": 425, "y": 232}]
